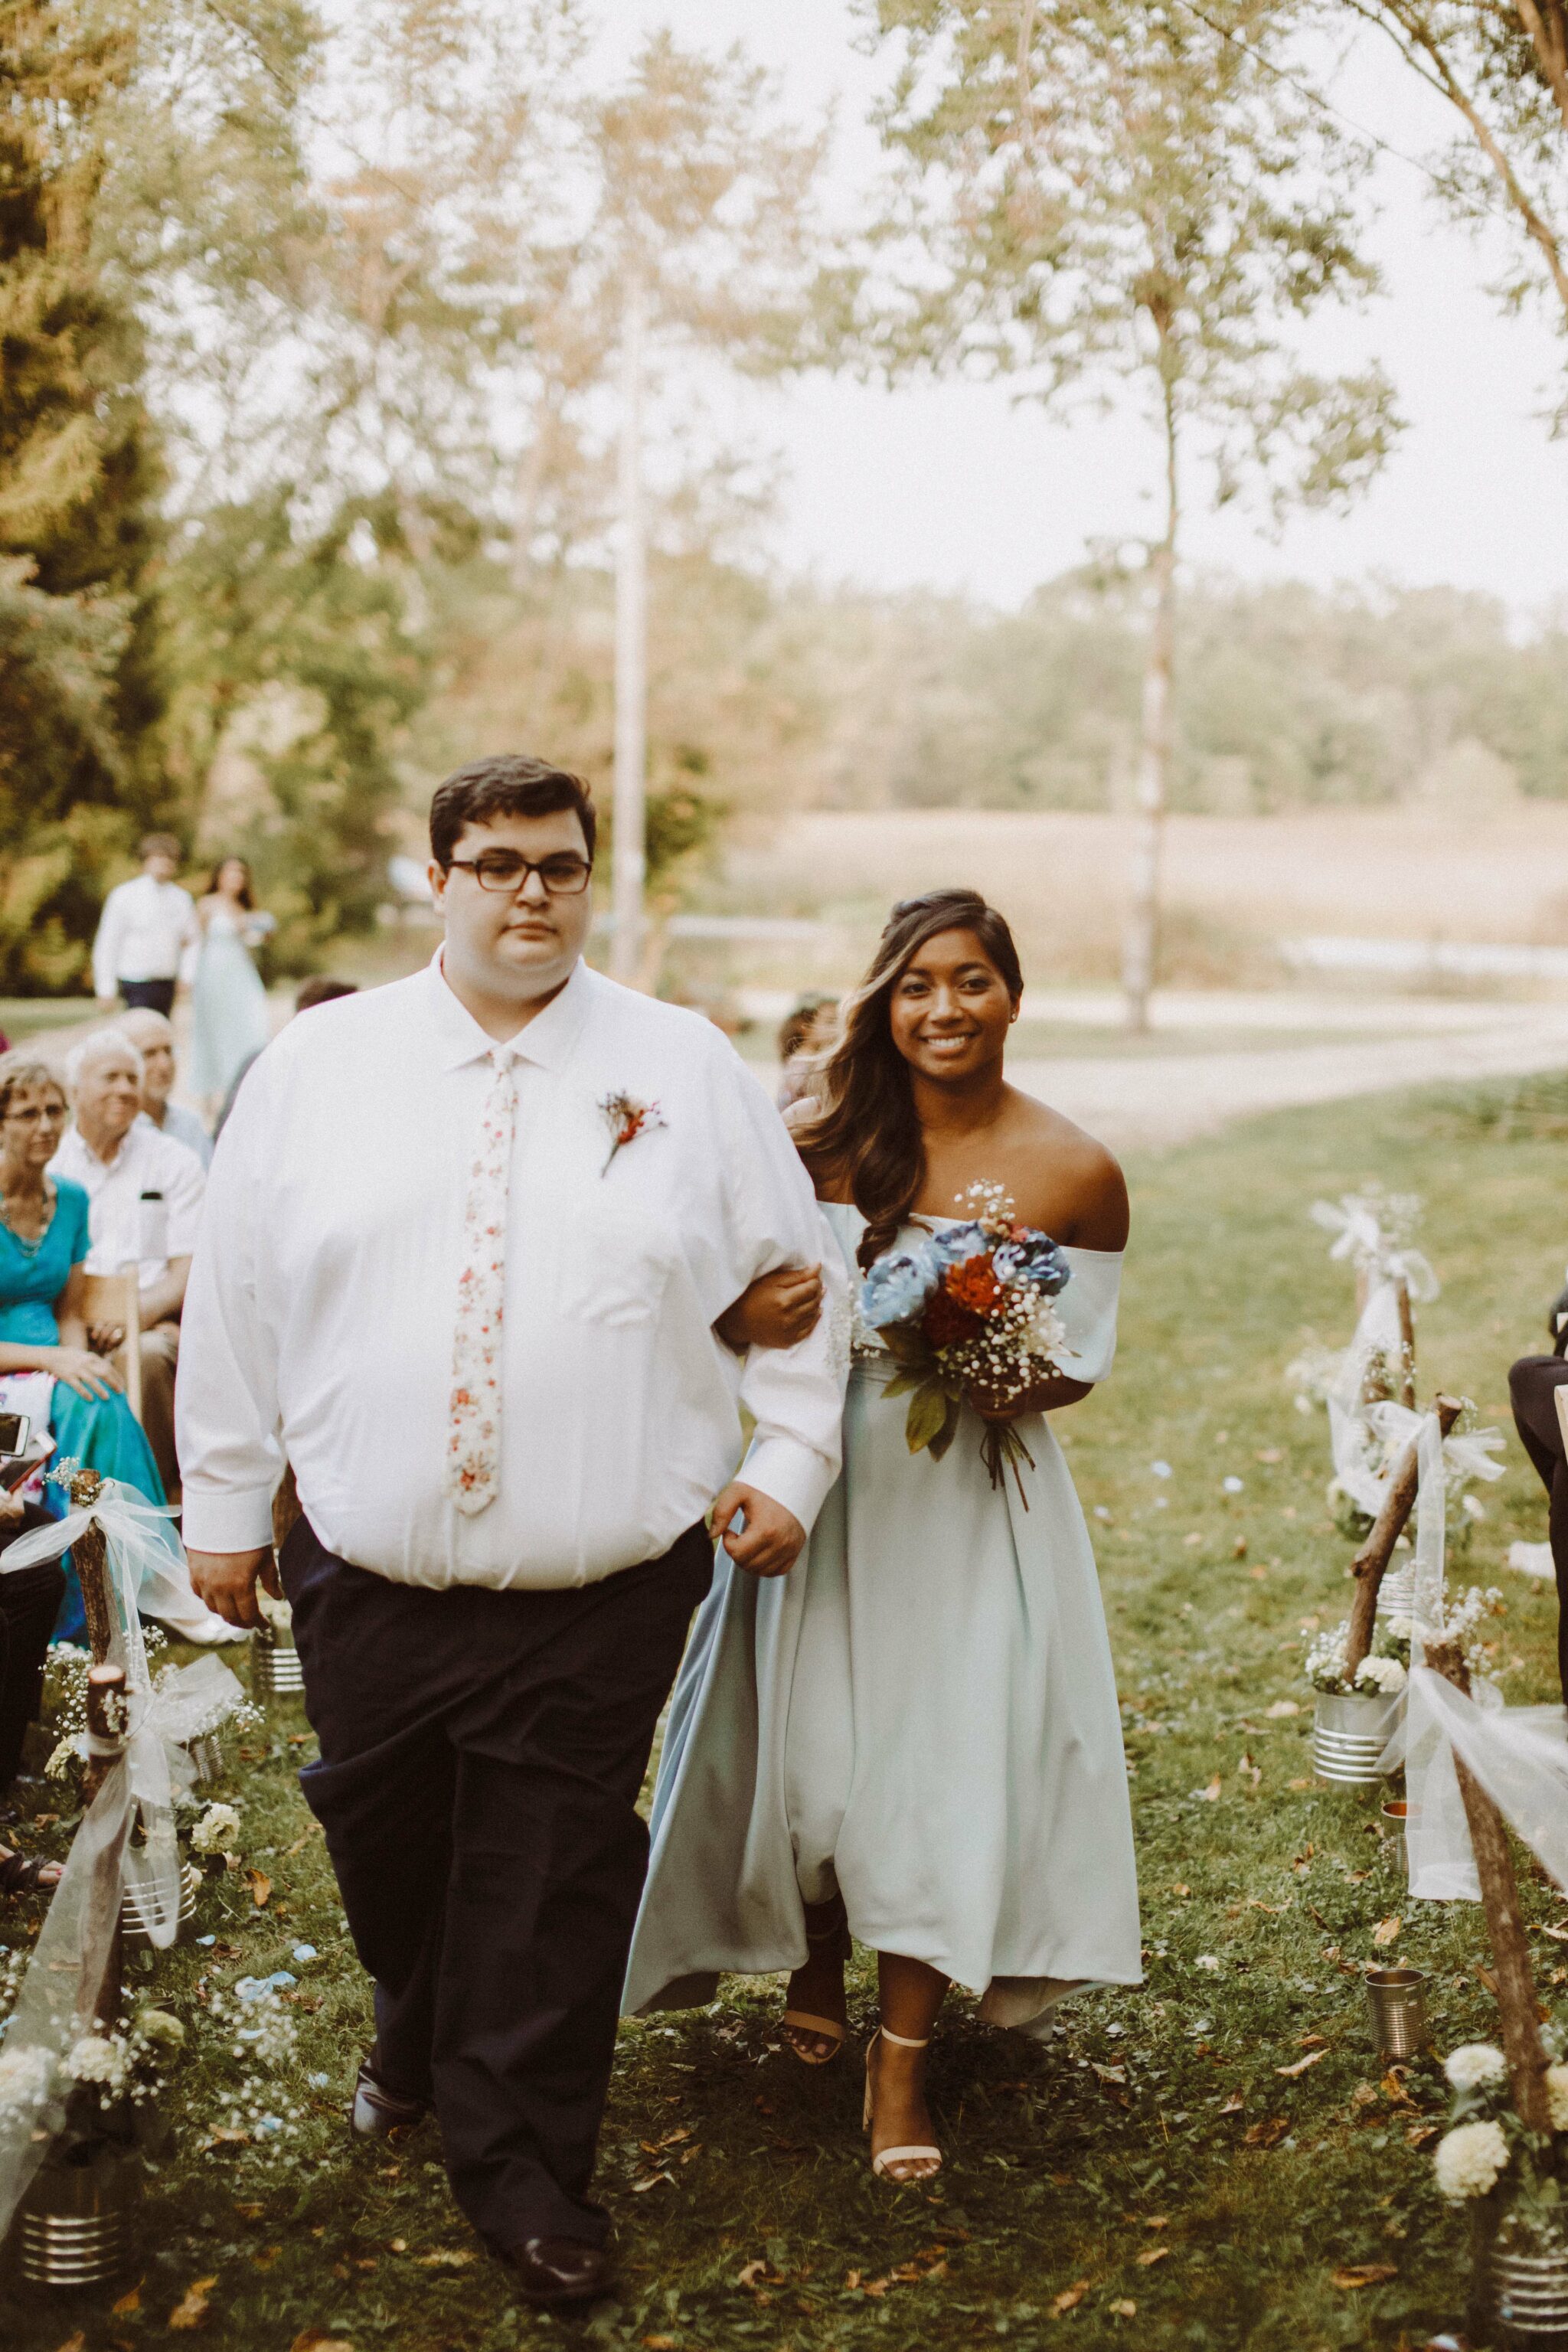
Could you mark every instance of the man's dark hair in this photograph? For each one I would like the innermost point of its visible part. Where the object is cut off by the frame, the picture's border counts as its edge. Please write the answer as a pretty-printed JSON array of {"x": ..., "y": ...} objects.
[
  {"x": 321, "y": 989},
  {"x": 508, "y": 784},
  {"x": 159, "y": 845}
]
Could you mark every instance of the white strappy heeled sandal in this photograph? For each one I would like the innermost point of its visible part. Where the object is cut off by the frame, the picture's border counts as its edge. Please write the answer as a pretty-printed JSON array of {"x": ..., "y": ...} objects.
[
  {"x": 828, "y": 2028},
  {"x": 882, "y": 2165}
]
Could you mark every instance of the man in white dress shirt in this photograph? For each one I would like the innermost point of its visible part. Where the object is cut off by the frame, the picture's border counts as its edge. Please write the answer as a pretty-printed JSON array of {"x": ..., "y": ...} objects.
[
  {"x": 144, "y": 1209},
  {"x": 465, "y": 1242},
  {"x": 144, "y": 930}
]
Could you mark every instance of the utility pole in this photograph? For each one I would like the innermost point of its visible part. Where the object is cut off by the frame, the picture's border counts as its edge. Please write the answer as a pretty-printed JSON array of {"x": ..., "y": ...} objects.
[{"x": 630, "y": 853}]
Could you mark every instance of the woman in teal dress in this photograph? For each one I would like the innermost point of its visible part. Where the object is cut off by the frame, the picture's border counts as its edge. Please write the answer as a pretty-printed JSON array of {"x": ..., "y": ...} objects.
[
  {"x": 913, "y": 1738},
  {"x": 229, "y": 1021},
  {"x": 43, "y": 1247}
]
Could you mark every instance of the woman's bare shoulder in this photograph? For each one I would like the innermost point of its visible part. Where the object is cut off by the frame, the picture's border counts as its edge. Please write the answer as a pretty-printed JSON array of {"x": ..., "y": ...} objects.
[{"x": 1067, "y": 1180}]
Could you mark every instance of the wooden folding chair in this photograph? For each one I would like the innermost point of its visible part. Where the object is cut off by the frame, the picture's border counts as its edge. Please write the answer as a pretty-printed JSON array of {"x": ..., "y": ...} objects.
[{"x": 116, "y": 1300}]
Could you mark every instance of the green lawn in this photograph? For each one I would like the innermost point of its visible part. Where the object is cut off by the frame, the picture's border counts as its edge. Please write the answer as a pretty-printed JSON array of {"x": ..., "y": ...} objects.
[{"x": 1116, "y": 2165}]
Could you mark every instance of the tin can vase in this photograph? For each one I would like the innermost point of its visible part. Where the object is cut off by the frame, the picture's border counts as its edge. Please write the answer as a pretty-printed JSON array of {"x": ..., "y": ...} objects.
[
  {"x": 1396, "y": 1854},
  {"x": 275, "y": 1662},
  {"x": 75, "y": 2225},
  {"x": 138, "y": 1903},
  {"x": 1527, "y": 2296},
  {"x": 1350, "y": 1731},
  {"x": 1396, "y": 1593},
  {"x": 205, "y": 1752},
  {"x": 1397, "y": 2000}
]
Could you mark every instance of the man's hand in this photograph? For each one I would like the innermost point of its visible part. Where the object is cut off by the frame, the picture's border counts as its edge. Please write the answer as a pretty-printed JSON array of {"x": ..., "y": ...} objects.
[
  {"x": 771, "y": 1541},
  {"x": 227, "y": 1582}
]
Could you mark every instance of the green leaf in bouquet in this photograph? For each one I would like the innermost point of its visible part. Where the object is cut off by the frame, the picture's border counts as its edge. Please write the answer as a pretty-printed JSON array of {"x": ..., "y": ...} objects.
[
  {"x": 928, "y": 1414},
  {"x": 902, "y": 1383},
  {"x": 948, "y": 1431},
  {"x": 908, "y": 1344}
]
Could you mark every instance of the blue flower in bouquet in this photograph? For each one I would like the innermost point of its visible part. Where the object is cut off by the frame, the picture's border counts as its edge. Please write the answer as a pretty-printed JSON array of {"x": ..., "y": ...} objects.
[
  {"x": 898, "y": 1284},
  {"x": 957, "y": 1242},
  {"x": 1034, "y": 1258}
]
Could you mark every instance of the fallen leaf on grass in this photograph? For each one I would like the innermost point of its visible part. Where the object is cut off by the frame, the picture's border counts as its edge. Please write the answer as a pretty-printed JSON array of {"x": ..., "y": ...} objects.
[
  {"x": 316, "y": 2339},
  {"x": 1107, "y": 2074},
  {"x": 754, "y": 2272},
  {"x": 1125, "y": 2308},
  {"x": 260, "y": 1889},
  {"x": 447, "y": 2258},
  {"x": 1487, "y": 1979},
  {"x": 1394, "y": 2090},
  {"x": 77, "y": 2343},
  {"x": 658, "y": 2343},
  {"x": 1312, "y": 2041},
  {"x": 1209, "y": 1795},
  {"x": 1275, "y": 1910},
  {"x": 1297, "y": 1784},
  {"x": 1268, "y": 2134},
  {"x": 1302, "y": 2065},
  {"x": 1360, "y": 2274},
  {"x": 1234, "y": 2104},
  {"x": 1158, "y": 2222},
  {"x": 1386, "y": 1929},
  {"x": 670, "y": 2139},
  {"x": 1417, "y": 2135},
  {"x": 1147, "y": 2260},
  {"x": 1269, "y": 1454},
  {"x": 1182, "y": 1891},
  {"x": 652, "y": 2181},
  {"x": 1069, "y": 2298},
  {"x": 192, "y": 2307},
  {"x": 128, "y": 2303}
]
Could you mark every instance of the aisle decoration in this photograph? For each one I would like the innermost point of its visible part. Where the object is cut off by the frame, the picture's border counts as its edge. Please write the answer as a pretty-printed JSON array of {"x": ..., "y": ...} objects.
[
  {"x": 132, "y": 1759},
  {"x": 1376, "y": 1229},
  {"x": 965, "y": 1309}
]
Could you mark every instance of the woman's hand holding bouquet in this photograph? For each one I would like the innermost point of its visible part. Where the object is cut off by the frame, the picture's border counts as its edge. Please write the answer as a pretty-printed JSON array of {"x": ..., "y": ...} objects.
[{"x": 968, "y": 1315}]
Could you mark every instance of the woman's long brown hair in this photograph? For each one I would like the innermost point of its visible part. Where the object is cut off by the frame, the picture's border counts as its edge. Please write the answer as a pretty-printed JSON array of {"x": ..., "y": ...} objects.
[{"x": 867, "y": 1134}]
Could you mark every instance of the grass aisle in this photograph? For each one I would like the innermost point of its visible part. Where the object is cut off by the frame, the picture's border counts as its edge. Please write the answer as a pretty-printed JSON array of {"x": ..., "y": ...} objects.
[{"x": 1158, "y": 2173}]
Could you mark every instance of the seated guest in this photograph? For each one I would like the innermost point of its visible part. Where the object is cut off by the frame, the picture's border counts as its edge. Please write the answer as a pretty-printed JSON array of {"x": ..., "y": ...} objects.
[
  {"x": 319, "y": 989},
  {"x": 152, "y": 1035},
  {"x": 1533, "y": 1385},
  {"x": 144, "y": 1204},
  {"x": 43, "y": 1249},
  {"x": 29, "y": 1604},
  {"x": 806, "y": 1036}
]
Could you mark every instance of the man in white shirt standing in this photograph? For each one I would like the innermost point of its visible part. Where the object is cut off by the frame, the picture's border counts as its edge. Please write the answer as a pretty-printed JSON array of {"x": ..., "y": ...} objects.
[
  {"x": 145, "y": 929},
  {"x": 466, "y": 1239},
  {"x": 144, "y": 1209}
]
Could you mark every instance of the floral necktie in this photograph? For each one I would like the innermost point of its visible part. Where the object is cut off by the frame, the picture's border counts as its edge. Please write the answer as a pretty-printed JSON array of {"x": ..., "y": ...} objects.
[{"x": 472, "y": 1475}]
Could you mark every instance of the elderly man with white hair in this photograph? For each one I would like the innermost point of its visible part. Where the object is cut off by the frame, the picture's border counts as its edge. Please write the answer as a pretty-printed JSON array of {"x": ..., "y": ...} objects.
[
  {"x": 144, "y": 1197},
  {"x": 152, "y": 1035}
]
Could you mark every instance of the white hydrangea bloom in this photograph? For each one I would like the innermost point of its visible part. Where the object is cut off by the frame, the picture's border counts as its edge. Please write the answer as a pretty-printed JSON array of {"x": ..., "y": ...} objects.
[
  {"x": 1470, "y": 2159},
  {"x": 24, "y": 2077},
  {"x": 216, "y": 1830},
  {"x": 96, "y": 2059},
  {"x": 1383, "y": 1674},
  {"x": 1557, "y": 2096},
  {"x": 1474, "y": 2064}
]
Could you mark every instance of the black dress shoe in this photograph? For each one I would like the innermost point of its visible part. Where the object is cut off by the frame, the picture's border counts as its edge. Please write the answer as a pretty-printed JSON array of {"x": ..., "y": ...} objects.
[
  {"x": 376, "y": 2112},
  {"x": 559, "y": 2270}
]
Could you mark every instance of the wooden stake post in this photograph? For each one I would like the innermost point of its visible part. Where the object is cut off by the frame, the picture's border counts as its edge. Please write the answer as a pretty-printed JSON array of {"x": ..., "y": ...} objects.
[
  {"x": 105, "y": 1720},
  {"x": 1505, "y": 1925},
  {"x": 1371, "y": 1562}
]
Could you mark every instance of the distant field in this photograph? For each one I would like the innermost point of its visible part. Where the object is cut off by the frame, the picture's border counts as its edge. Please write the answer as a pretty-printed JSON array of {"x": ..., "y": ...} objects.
[{"x": 1234, "y": 887}]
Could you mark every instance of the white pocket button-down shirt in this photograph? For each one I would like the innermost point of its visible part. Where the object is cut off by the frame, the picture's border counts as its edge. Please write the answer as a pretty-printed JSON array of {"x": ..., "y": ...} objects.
[
  {"x": 319, "y": 1323},
  {"x": 123, "y": 1229},
  {"x": 143, "y": 933}
]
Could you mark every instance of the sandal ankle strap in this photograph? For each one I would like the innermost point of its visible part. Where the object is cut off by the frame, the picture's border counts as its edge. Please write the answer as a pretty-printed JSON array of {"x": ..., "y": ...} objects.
[{"x": 903, "y": 2041}]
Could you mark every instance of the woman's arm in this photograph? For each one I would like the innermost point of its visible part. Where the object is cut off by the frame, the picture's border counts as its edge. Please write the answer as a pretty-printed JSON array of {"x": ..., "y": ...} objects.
[{"x": 72, "y": 1361}]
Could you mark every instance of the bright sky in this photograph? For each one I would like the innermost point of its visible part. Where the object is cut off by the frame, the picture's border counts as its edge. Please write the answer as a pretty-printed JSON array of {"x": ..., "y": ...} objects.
[{"x": 951, "y": 486}]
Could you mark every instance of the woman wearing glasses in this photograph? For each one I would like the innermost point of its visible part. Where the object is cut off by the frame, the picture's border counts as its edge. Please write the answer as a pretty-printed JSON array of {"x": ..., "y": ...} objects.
[{"x": 43, "y": 1329}]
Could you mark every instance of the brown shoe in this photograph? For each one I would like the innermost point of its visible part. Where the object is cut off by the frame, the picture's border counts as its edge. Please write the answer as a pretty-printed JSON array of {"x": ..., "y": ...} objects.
[
  {"x": 553, "y": 2272},
  {"x": 376, "y": 2112}
]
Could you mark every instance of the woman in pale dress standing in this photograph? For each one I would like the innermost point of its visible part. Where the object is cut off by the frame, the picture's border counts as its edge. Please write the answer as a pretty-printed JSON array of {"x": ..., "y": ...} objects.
[
  {"x": 914, "y": 1738},
  {"x": 228, "y": 1004}
]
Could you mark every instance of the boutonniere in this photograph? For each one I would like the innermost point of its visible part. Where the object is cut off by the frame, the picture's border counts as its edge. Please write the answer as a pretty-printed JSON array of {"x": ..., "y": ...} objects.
[{"x": 626, "y": 1119}]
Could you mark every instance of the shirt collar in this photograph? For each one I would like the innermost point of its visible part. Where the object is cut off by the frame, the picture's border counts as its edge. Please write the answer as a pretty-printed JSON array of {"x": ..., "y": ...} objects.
[
  {"x": 547, "y": 1040},
  {"x": 125, "y": 1150}
]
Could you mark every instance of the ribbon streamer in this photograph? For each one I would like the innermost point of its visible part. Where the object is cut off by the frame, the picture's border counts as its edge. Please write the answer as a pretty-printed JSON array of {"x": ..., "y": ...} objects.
[{"x": 67, "y": 1969}]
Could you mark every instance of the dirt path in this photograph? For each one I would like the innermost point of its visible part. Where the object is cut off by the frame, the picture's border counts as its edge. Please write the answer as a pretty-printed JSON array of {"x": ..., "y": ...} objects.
[{"x": 1133, "y": 1101}]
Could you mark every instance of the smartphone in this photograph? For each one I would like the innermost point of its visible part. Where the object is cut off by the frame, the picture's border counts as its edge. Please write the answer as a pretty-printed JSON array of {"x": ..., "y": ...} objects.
[{"x": 15, "y": 1430}]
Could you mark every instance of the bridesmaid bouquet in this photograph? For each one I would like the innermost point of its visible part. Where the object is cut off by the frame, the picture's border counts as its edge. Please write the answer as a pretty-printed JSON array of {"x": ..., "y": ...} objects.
[{"x": 965, "y": 1309}]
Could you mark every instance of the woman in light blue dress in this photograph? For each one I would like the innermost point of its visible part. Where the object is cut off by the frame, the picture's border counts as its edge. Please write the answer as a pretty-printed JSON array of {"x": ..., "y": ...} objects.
[
  {"x": 43, "y": 1329},
  {"x": 229, "y": 1023},
  {"x": 913, "y": 1738}
]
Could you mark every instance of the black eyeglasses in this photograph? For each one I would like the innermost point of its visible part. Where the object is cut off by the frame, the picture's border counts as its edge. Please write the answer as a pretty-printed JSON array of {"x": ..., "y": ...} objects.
[{"x": 565, "y": 875}]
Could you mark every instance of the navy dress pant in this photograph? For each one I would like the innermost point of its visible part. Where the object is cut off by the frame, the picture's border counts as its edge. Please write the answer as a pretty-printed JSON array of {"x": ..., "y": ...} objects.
[
  {"x": 482, "y": 1757},
  {"x": 1532, "y": 1386}
]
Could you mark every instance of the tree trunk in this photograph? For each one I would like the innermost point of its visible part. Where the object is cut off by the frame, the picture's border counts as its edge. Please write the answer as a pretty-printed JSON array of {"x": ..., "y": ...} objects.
[
  {"x": 1546, "y": 22},
  {"x": 1516, "y": 2003},
  {"x": 1140, "y": 948},
  {"x": 1371, "y": 1562},
  {"x": 631, "y": 648}
]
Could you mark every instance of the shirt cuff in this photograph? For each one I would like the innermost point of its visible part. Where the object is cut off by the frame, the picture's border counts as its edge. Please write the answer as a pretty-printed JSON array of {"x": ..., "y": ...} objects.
[
  {"x": 793, "y": 1474},
  {"x": 227, "y": 1522}
]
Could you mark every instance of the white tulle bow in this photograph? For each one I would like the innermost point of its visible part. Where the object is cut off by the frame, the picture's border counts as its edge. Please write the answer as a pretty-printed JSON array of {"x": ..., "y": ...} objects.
[{"x": 1360, "y": 1238}]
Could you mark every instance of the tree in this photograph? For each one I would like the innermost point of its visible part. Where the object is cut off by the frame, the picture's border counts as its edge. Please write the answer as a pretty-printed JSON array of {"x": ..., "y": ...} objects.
[
  {"x": 1111, "y": 192},
  {"x": 1503, "y": 66},
  {"x": 700, "y": 234}
]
